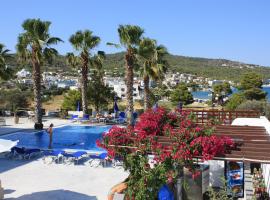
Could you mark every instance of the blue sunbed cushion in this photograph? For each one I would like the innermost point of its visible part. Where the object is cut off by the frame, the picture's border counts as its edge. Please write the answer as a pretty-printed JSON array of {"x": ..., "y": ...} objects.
[
  {"x": 18, "y": 150},
  {"x": 29, "y": 151},
  {"x": 54, "y": 153},
  {"x": 75, "y": 154},
  {"x": 100, "y": 156},
  {"x": 165, "y": 193}
]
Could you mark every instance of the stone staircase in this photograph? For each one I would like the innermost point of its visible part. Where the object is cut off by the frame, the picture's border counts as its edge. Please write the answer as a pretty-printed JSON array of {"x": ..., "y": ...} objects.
[{"x": 248, "y": 183}]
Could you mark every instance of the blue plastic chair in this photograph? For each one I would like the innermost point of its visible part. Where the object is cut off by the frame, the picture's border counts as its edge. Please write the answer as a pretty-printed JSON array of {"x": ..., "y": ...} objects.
[{"x": 165, "y": 193}]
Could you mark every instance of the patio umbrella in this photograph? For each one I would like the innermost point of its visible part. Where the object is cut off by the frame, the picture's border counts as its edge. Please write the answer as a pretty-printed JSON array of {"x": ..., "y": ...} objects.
[
  {"x": 115, "y": 107},
  {"x": 155, "y": 107},
  {"x": 180, "y": 105},
  {"x": 6, "y": 145},
  {"x": 78, "y": 106}
]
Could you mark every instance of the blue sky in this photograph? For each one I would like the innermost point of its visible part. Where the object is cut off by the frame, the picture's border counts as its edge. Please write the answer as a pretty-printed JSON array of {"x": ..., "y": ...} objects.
[{"x": 232, "y": 29}]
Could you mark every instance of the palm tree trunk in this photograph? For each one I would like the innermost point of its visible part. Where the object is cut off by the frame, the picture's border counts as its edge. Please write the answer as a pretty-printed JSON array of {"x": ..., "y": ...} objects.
[
  {"x": 129, "y": 83},
  {"x": 84, "y": 85},
  {"x": 146, "y": 93},
  {"x": 37, "y": 88}
]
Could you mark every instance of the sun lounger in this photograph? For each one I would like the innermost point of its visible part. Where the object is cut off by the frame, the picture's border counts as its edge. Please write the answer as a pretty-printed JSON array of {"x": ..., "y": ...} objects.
[
  {"x": 74, "y": 117},
  {"x": 121, "y": 119},
  {"x": 54, "y": 155},
  {"x": 74, "y": 157},
  {"x": 117, "y": 163},
  {"x": 85, "y": 117},
  {"x": 23, "y": 153},
  {"x": 17, "y": 152},
  {"x": 98, "y": 160},
  {"x": 29, "y": 153}
]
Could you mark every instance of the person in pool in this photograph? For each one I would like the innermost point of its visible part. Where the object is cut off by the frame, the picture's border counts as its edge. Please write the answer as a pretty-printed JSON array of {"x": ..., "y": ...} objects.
[{"x": 50, "y": 132}]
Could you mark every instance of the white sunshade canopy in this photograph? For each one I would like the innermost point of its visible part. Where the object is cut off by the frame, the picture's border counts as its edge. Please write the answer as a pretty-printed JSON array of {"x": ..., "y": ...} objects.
[{"x": 6, "y": 145}]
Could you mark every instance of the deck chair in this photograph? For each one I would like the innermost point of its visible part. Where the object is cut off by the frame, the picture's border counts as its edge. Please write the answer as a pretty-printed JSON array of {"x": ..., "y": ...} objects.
[
  {"x": 30, "y": 153},
  {"x": 98, "y": 160},
  {"x": 54, "y": 156},
  {"x": 85, "y": 117},
  {"x": 74, "y": 117},
  {"x": 17, "y": 152},
  {"x": 74, "y": 157}
]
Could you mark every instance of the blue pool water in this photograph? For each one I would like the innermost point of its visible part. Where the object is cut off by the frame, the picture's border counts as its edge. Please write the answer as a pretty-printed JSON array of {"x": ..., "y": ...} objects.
[
  {"x": 207, "y": 94},
  {"x": 66, "y": 137}
]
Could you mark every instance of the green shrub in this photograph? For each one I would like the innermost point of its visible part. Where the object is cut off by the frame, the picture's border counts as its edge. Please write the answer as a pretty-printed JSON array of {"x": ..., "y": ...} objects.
[
  {"x": 234, "y": 101},
  {"x": 252, "y": 105}
]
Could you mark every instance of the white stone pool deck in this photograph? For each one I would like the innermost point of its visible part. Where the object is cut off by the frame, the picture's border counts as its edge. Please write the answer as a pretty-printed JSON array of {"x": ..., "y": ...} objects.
[
  {"x": 34, "y": 180},
  {"x": 26, "y": 124}
]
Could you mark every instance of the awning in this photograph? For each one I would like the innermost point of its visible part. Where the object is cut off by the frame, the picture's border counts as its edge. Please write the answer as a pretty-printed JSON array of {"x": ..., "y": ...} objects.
[
  {"x": 252, "y": 143},
  {"x": 6, "y": 145}
]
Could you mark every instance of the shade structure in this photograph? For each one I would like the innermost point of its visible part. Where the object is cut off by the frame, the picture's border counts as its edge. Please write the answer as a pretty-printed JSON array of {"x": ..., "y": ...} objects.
[
  {"x": 252, "y": 143},
  {"x": 78, "y": 106},
  {"x": 6, "y": 145},
  {"x": 115, "y": 107},
  {"x": 155, "y": 107}
]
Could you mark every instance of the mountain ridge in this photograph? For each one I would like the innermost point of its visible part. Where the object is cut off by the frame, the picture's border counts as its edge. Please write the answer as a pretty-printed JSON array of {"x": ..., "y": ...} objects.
[{"x": 206, "y": 67}]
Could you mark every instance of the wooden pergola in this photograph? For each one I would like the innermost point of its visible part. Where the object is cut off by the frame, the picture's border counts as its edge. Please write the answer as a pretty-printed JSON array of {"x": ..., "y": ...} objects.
[{"x": 252, "y": 143}]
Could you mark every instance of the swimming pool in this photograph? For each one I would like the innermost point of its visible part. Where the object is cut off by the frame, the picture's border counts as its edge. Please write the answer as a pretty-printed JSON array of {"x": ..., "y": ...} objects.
[{"x": 66, "y": 137}]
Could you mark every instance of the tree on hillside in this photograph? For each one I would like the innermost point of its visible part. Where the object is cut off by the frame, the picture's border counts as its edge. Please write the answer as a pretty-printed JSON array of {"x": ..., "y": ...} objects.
[
  {"x": 84, "y": 42},
  {"x": 161, "y": 91},
  {"x": 71, "y": 100},
  {"x": 250, "y": 80},
  {"x": 181, "y": 94},
  {"x": 14, "y": 99},
  {"x": 5, "y": 72},
  {"x": 99, "y": 95},
  {"x": 154, "y": 66},
  {"x": 251, "y": 86},
  {"x": 34, "y": 46},
  {"x": 130, "y": 37},
  {"x": 221, "y": 91},
  {"x": 235, "y": 100}
]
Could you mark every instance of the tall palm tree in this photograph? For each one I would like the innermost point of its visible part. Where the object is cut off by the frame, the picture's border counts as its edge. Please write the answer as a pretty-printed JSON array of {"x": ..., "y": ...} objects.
[
  {"x": 34, "y": 46},
  {"x": 154, "y": 65},
  {"x": 97, "y": 63},
  {"x": 5, "y": 72},
  {"x": 130, "y": 37},
  {"x": 84, "y": 42}
]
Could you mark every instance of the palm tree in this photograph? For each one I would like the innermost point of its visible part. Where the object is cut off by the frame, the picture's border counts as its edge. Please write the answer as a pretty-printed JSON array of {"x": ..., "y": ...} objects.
[
  {"x": 34, "y": 46},
  {"x": 84, "y": 42},
  {"x": 130, "y": 37},
  {"x": 5, "y": 72},
  {"x": 154, "y": 66},
  {"x": 97, "y": 63}
]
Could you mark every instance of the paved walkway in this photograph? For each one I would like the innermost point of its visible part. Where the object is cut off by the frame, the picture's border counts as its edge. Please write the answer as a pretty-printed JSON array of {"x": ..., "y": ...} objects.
[
  {"x": 34, "y": 180},
  {"x": 26, "y": 124}
]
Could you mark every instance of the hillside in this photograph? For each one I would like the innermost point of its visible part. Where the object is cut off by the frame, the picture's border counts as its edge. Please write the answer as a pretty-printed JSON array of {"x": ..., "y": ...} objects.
[{"x": 212, "y": 68}]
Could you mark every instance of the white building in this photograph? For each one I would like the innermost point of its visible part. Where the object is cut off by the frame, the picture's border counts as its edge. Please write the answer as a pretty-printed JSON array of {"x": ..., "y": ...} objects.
[
  {"x": 23, "y": 74},
  {"x": 120, "y": 88}
]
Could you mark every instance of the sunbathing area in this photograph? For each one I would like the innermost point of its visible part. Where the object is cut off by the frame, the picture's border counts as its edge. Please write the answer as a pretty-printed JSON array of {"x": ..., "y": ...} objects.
[{"x": 35, "y": 180}]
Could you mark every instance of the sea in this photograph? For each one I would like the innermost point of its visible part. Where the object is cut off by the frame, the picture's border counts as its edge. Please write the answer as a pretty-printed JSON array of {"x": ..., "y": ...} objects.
[{"x": 205, "y": 95}]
